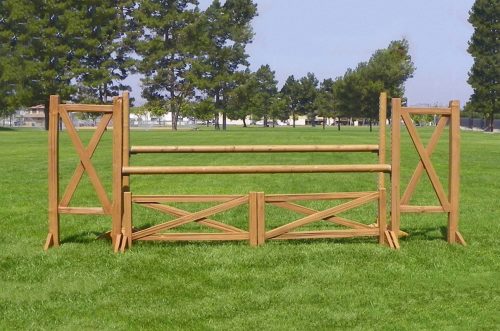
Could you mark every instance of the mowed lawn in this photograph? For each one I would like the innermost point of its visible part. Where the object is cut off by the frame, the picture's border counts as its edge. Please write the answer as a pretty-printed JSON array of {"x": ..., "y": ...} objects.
[{"x": 283, "y": 285}]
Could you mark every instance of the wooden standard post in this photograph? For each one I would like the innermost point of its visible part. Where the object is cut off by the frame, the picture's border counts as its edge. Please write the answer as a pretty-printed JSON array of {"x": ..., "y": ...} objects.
[
  {"x": 53, "y": 236},
  {"x": 117, "y": 210},
  {"x": 126, "y": 139},
  {"x": 392, "y": 235},
  {"x": 382, "y": 210},
  {"x": 454, "y": 174}
]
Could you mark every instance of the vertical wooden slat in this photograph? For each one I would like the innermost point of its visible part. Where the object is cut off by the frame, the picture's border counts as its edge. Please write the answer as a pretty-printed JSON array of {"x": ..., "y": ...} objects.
[
  {"x": 382, "y": 214},
  {"x": 382, "y": 137},
  {"x": 53, "y": 185},
  {"x": 127, "y": 217},
  {"x": 454, "y": 171},
  {"x": 396, "y": 164},
  {"x": 117, "y": 209},
  {"x": 261, "y": 221},
  {"x": 252, "y": 219},
  {"x": 126, "y": 139}
]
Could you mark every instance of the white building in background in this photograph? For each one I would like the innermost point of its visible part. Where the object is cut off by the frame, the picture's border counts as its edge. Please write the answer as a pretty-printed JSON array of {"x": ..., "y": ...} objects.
[{"x": 33, "y": 117}]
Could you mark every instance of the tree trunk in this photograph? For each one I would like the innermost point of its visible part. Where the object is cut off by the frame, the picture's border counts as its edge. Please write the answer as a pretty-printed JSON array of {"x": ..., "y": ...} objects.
[
  {"x": 324, "y": 123},
  {"x": 370, "y": 125},
  {"x": 338, "y": 125},
  {"x": 293, "y": 118},
  {"x": 224, "y": 120},
  {"x": 46, "y": 113},
  {"x": 265, "y": 121},
  {"x": 175, "y": 116},
  {"x": 216, "y": 119},
  {"x": 244, "y": 122}
]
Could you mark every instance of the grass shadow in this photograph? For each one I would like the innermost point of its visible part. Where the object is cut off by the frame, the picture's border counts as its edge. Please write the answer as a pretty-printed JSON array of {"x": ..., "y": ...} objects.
[
  {"x": 85, "y": 237},
  {"x": 426, "y": 234}
]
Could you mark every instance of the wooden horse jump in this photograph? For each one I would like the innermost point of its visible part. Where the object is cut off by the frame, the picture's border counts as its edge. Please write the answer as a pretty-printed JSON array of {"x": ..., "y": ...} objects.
[{"x": 120, "y": 208}]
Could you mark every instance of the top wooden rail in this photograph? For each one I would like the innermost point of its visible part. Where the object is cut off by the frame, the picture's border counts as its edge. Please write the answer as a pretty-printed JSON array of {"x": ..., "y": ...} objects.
[
  {"x": 87, "y": 108},
  {"x": 426, "y": 111},
  {"x": 254, "y": 149}
]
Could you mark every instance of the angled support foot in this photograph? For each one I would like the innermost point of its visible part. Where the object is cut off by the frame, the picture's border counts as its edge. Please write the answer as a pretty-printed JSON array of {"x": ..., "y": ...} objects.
[
  {"x": 392, "y": 239},
  {"x": 49, "y": 242},
  {"x": 459, "y": 239},
  {"x": 124, "y": 244},
  {"x": 118, "y": 242}
]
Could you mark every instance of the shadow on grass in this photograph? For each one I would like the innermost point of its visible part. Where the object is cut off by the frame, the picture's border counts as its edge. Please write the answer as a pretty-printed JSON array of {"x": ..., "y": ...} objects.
[
  {"x": 85, "y": 237},
  {"x": 425, "y": 234},
  {"x": 2, "y": 128}
]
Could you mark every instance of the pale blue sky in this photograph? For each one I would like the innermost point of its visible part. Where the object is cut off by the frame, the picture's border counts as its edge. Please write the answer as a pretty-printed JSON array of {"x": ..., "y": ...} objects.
[{"x": 328, "y": 36}]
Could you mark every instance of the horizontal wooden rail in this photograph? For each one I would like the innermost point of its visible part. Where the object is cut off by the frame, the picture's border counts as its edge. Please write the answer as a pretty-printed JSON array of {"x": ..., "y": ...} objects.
[
  {"x": 315, "y": 196},
  {"x": 87, "y": 108},
  {"x": 82, "y": 210},
  {"x": 254, "y": 149},
  {"x": 328, "y": 234},
  {"x": 182, "y": 198},
  {"x": 263, "y": 169},
  {"x": 423, "y": 209},
  {"x": 426, "y": 111},
  {"x": 196, "y": 236}
]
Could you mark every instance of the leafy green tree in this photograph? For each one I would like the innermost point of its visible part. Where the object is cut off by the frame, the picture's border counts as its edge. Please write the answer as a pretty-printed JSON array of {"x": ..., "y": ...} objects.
[
  {"x": 484, "y": 48},
  {"x": 323, "y": 103},
  {"x": 278, "y": 108},
  {"x": 47, "y": 46},
  {"x": 290, "y": 92},
  {"x": 265, "y": 91},
  {"x": 165, "y": 43},
  {"x": 35, "y": 38},
  {"x": 347, "y": 95},
  {"x": 307, "y": 94},
  {"x": 102, "y": 59},
  {"x": 241, "y": 101},
  {"x": 357, "y": 92},
  {"x": 224, "y": 31}
]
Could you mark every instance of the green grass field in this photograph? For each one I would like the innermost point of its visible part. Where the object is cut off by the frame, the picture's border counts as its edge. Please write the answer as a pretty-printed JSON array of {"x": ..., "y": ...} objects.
[{"x": 283, "y": 285}]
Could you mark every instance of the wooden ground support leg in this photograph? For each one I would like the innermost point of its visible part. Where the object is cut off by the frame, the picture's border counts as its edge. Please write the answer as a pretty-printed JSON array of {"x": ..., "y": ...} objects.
[
  {"x": 256, "y": 224},
  {"x": 391, "y": 239},
  {"x": 382, "y": 216},
  {"x": 127, "y": 220}
]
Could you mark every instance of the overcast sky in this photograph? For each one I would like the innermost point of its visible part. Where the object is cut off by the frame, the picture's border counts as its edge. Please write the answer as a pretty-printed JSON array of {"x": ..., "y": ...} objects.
[{"x": 328, "y": 36}]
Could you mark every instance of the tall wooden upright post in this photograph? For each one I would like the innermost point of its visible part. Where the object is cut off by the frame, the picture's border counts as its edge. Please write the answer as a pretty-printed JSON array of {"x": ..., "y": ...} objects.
[
  {"x": 117, "y": 210},
  {"x": 126, "y": 194},
  {"x": 395, "y": 171},
  {"x": 53, "y": 185},
  {"x": 382, "y": 210},
  {"x": 454, "y": 174}
]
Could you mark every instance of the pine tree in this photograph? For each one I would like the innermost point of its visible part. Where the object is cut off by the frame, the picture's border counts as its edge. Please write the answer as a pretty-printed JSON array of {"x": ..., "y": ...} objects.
[
  {"x": 290, "y": 91},
  {"x": 484, "y": 48},
  {"x": 164, "y": 41},
  {"x": 101, "y": 60},
  {"x": 225, "y": 31}
]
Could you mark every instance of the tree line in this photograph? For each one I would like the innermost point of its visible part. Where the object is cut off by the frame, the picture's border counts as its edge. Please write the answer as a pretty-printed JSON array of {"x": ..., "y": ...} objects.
[{"x": 193, "y": 62}]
